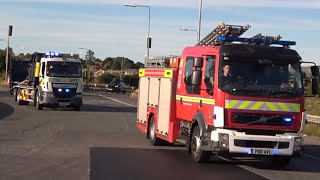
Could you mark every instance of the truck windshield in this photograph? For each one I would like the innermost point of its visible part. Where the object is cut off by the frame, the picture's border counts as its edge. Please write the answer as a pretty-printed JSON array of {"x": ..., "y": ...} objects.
[
  {"x": 64, "y": 69},
  {"x": 261, "y": 77}
]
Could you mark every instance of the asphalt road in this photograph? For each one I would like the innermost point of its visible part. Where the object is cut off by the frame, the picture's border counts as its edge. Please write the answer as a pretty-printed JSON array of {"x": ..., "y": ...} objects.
[{"x": 102, "y": 142}]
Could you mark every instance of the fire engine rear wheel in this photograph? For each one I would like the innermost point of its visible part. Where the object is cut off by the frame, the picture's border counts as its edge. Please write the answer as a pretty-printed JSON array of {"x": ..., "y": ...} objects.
[
  {"x": 38, "y": 105},
  {"x": 152, "y": 133},
  {"x": 198, "y": 155}
]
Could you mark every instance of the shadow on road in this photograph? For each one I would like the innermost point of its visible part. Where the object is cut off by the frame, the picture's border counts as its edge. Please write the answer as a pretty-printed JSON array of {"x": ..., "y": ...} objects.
[
  {"x": 303, "y": 164},
  {"x": 130, "y": 163},
  {"x": 106, "y": 108},
  {"x": 5, "y": 110}
]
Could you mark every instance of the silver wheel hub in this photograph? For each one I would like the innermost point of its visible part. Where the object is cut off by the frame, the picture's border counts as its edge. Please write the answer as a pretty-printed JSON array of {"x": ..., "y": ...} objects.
[
  {"x": 152, "y": 131},
  {"x": 196, "y": 144}
]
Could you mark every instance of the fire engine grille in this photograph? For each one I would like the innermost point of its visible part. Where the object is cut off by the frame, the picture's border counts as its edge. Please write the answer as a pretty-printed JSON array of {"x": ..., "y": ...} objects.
[
  {"x": 261, "y": 144},
  {"x": 259, "y": 119},
  {"x": 63, "y": 94}
]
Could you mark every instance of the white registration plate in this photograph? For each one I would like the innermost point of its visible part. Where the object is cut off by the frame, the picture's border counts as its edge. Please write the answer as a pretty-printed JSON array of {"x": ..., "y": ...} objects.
[
  {"x": 262, "y": 151},
  {"x": 64, "y": 103}
]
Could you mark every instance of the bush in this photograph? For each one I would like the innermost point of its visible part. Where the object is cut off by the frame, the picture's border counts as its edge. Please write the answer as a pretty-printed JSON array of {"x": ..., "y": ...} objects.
[
  {"x": 131, "y": 80},
  {"x": 105, "y": 78}
]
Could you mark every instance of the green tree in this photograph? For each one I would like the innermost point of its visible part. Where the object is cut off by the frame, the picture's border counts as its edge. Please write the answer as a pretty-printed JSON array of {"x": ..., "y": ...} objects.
[
  {"x": 90, "y": 57},
  {"x": 116, "y": 65}
]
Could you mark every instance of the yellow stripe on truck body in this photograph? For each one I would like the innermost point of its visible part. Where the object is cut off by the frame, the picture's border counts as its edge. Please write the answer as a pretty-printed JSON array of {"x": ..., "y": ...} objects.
[
  {"x": 195, "y": 99},
  {"x": 37, "y": 70},
  {"x": 262, "y": 106}
]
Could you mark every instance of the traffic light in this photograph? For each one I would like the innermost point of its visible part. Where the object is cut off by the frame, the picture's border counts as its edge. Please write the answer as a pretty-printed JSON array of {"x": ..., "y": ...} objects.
[
  {"x": 149, "y": 42},
  {"x": 10, "y": 30}
]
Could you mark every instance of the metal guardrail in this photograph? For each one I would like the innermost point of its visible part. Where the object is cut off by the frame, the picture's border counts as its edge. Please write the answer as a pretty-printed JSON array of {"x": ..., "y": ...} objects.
[{"x": 315, "y": 120}]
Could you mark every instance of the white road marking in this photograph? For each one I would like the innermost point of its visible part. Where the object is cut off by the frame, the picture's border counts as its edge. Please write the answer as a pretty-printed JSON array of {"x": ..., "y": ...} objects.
[
  {"x": 117, "y": 100},
  {"x": 313, "y": 157}
]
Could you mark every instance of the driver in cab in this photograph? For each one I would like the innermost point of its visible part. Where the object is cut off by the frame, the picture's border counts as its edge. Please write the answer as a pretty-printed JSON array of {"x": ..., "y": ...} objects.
[{"x": 226, "y": 76}]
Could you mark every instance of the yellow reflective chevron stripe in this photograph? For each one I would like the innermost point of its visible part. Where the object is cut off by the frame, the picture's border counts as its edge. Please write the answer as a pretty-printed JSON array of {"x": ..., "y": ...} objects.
[
  {"x": 231, "y": 104},
  {"x": 195, "y": 99},
  {"x": 262, "y": 106}
]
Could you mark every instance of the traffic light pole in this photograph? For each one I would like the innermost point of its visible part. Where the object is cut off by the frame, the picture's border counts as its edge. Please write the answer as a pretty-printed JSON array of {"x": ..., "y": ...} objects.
[{"x": 7, "y": 54}]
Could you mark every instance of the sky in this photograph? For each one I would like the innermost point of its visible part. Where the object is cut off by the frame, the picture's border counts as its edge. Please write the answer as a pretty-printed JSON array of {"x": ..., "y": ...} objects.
[{"x": 110, "y": 29}]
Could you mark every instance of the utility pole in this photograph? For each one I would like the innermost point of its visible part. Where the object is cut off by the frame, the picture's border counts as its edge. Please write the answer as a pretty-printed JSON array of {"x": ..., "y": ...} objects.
[
  {"x": 7, "y": 55},
  {"x": 121, "y": 67}
]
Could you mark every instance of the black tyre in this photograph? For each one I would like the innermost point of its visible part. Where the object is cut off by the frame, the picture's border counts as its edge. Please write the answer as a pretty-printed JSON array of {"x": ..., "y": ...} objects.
[
  {"x": 152, "y": 133},
  {"x": 76, "y": 107},
  {"x": 198, "y": 155},
  {"x": 37, "y": 99},
  {"x": 15, "y": 95},
  {"x": 281, "y": 161}
]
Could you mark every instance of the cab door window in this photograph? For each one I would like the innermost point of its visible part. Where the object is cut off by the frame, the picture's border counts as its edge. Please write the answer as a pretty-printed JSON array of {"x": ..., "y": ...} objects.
[
  {"x": 188, "y": 71},
  {"x": 209, "y": 74}
]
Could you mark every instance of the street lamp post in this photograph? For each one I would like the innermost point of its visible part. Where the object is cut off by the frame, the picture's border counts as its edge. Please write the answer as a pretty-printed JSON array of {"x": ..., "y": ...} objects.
[
  {"x": 193, "y": 31},
  {"x": 148, "y": 38},
  {"x": 200, "y": 14}
]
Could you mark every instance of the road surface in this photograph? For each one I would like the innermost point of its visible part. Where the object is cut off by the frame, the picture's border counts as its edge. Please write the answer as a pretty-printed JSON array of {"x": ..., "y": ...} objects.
[{"x": 102, "y": 142}]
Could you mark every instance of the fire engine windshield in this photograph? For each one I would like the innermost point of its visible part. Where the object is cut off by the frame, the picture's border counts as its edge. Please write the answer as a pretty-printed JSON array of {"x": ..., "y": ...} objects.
[
  {"x": 261, "y": 77},
  {"x": 64, "y": 69}
]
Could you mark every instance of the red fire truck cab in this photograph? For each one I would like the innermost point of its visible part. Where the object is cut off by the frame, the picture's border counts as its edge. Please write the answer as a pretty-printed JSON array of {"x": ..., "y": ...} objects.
[{"x": 226, "y": 97}]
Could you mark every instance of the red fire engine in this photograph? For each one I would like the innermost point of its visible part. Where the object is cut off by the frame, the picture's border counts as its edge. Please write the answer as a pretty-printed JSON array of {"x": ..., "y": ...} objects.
[{"x": 227, "y": 95}]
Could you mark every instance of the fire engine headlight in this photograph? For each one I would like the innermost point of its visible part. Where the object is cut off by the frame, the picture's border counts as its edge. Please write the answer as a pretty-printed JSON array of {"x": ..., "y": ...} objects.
[
  {"x": 224, "y": 140},
  {"x": 297, "y": 143}
]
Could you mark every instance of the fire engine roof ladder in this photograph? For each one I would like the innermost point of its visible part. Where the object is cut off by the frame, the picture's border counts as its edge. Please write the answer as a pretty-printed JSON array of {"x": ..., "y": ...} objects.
[{"x": 222, "y": 30}]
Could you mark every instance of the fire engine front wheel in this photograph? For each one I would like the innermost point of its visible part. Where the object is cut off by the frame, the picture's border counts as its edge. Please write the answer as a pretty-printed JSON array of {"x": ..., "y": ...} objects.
[
  {"x": 198, "y": 155},
  {"x": 281, "y": 160},
  {"x": 152, "y": 133}
]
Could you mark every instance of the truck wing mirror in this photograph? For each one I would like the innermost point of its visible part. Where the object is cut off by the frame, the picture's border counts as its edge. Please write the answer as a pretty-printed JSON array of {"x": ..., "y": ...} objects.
[
  {"x": 196, "y": 78},
  {"x": 315, "y": 70},
  {"x": 198, "y": 62},
  {"x": 315, "y": 86}
]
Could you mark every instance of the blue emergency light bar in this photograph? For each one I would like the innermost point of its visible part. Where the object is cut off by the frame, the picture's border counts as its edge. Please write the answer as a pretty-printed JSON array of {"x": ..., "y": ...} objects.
[
  {"x": 255, "y": 40},
  {"x": 52, "y": 54}
]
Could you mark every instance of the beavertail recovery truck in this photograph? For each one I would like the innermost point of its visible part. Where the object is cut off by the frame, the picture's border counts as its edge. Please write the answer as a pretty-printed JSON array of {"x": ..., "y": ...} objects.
[
  {"x": 227, "y": 95},
  {"x": 53, "y": 80}
]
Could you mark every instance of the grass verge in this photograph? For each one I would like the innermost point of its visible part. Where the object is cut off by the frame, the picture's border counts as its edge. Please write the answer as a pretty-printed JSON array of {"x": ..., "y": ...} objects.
[
  {"x": 312, "y": 105},
  {"x": 312, "y": 130}
]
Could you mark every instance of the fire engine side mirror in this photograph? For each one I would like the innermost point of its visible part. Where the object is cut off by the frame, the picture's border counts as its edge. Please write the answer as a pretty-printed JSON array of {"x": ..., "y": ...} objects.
[
  {"x": 315, "y": 70},
  {"x": 315, "y": 86},
  {"x": 196, "y": 78},
  {"x": 198, "y": 62}
]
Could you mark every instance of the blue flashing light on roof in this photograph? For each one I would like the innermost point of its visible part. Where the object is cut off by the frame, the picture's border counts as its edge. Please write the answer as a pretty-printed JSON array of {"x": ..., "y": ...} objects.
[
  {"x": 255, "y": 40},
  {"x": 51, "y": 54}
]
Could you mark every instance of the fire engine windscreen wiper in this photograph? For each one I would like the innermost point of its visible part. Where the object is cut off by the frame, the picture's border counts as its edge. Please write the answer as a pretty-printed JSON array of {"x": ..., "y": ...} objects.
[
  {"x": 247, "y": 91},
  {"x": 281, "y": 93},
  {"x": 263, "y": 120}
]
